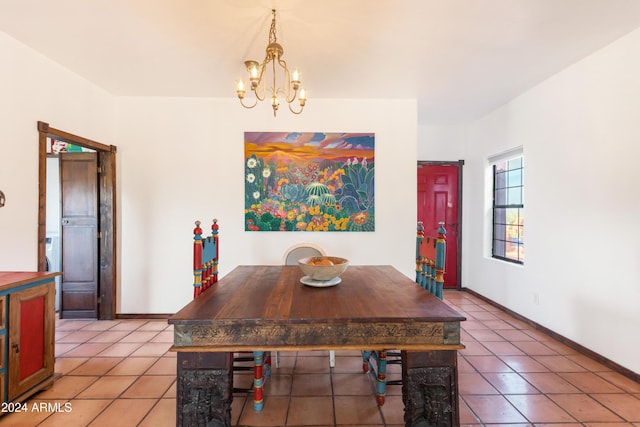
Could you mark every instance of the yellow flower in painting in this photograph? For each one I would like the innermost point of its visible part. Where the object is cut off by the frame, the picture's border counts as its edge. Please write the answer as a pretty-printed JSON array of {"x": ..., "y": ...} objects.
[
  {"x": 301, "y": 226},
  {"x": 291, "y": 215}
]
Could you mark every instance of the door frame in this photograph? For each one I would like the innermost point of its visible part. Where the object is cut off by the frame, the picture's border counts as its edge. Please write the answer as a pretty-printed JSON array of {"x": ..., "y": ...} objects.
[
  {"x": 107, "y": 231},
  {"x": 459, "y": 164}
]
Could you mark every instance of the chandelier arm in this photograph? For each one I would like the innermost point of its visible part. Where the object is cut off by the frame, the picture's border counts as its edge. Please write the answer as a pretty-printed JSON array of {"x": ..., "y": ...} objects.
[
  {"x": 287, "y": 82},
  {"x": 293, "y": 111},
  {"x": 248, "y": 106}
]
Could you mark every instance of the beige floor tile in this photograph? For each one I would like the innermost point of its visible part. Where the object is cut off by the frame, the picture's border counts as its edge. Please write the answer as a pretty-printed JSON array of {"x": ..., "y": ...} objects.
[
  {"x": 149, "y": 386},
  {"x": 128, "y": 325},
  {"x": 120, "y": 349},
  {"x": 87, "y": 350},
  {"x": 101, "y": 325},
  {"x": 313, "y": 410},
  {"x": 171, "y": 392},
  {"x": 589, "y": 382},
  {"x": 109, "y": 387},
  {"x": 163, "y": 366},
  {"x": 78, "y": 337},
  {"x": 164, "y": 336},
  {"x": 152, "y": 349},
  {"x": 109, "y": 336},
  {"x": 623, "y": 404},
  {"x": 67, "y": 387},
  {"x": 154, "y": 325},
  {"x": 59, "y": 334},
  {"x": 96, "y": 366},
  {"x": 584, "y": 408},
  {"x": 127, "y": 412},
  {"x": 352, "y": 384},
  {"x": 312, "y": 365},
  {"x": 163, "y": 414},
  {"x": 311, "y": 385},
  {"x": 139, "y": 336},
  {"x": 72, "y": 324},
  {"x": 273, "y": 414},
  {"x": 64, "y": 365},
  {"x": 348, "y": 365},
  {"x": 133, "y": 366},
  {"x": 393, "y": 410},
  {"x": 62, "y": 349},
  {"x": 539, "y": 409},
  {"x": 81, "y": 413},
  {"x": 278, "y": 385},
  {"x": 357, "y": 410}
]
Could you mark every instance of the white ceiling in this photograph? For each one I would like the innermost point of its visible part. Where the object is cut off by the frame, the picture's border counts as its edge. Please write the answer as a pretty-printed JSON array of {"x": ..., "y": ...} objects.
[{"x": 459, "y": 58}]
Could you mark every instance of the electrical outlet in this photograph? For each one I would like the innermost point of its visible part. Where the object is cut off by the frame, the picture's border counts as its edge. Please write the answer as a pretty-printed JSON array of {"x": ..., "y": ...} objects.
[{"x": 536, "y": 298}]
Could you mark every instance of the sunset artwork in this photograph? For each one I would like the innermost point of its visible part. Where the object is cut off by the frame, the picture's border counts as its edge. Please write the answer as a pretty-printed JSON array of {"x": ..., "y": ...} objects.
[{"x": 309, "y": 181}]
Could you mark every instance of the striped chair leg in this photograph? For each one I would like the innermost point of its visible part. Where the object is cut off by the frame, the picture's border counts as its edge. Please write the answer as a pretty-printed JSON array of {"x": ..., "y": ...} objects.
[
  {"x": 258, "y": 381},
  {"x": 381, "y": 379},
  {"x": 366, "y": 356}
]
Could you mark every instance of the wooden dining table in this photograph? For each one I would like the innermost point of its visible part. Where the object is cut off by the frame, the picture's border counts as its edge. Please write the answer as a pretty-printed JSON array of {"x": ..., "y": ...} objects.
[{"x": 267, "y": 308}]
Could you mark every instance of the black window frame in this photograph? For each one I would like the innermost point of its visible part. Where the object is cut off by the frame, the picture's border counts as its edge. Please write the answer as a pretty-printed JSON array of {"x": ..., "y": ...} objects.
[{"x": 502, "y": 190}]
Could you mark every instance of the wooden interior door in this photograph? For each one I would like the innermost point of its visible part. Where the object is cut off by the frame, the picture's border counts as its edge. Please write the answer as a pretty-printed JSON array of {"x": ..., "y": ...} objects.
[
  {"x": 438, "y": 201},
  {"x": 79, "y": 215}
]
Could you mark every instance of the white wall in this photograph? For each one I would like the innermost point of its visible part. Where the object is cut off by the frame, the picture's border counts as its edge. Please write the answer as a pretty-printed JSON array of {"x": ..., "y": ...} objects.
[
  {"x": 581, "y": 143},
  {"x": 442, "y": 142},
  {"x": 36, "y": 89},
  {"x": 182, "y": 159}
]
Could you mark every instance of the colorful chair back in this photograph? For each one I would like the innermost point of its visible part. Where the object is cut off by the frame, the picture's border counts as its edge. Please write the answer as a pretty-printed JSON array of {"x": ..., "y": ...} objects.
[
  {"x": 430, "y": 259},
  {"x": 205, "y": 258},
  {"x": 206, "y": 251}
]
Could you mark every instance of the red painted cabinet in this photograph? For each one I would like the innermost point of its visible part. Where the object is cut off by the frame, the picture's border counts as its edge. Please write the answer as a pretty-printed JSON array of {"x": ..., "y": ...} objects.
[{"x": 27, "y": 333}]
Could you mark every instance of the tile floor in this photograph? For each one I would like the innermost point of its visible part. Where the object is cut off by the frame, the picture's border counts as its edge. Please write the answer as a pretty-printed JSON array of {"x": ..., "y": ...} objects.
[{"x": 120, "y": 373}]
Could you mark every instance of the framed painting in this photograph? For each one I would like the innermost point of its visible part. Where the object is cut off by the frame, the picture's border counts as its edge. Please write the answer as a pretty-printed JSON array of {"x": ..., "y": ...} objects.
[{"x": 309, "y": 181}]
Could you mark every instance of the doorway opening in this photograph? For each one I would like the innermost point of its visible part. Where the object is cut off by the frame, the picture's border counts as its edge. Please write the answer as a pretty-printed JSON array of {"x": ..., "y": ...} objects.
[{"x": 82, "y": 213}]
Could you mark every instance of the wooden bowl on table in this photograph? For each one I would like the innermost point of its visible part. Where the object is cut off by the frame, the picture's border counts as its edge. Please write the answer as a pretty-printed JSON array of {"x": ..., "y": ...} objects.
[{"x": 323, "y": 269}]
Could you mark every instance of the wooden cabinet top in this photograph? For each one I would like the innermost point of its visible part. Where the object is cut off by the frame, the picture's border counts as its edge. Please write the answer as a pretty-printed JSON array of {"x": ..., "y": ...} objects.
[{"x": 11, "y": 279}]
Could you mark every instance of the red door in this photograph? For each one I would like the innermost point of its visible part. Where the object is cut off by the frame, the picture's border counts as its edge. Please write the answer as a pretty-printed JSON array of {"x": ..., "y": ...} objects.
[{"x": 438, "y": 202}]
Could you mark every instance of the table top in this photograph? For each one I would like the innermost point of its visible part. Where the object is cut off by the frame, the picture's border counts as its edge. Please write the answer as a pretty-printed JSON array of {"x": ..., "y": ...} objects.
[{"x": 267, "y": 306}]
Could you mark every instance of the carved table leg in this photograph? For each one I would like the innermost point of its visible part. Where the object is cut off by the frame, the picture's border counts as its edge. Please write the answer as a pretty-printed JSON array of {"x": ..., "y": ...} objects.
[
  {"x": 430, "y": 388},
  {"x": 204, "y": 389}
]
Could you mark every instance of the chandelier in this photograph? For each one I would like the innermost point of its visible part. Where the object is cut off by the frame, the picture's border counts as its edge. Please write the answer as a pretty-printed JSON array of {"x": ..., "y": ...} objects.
[{"x": 263, "y": 77}]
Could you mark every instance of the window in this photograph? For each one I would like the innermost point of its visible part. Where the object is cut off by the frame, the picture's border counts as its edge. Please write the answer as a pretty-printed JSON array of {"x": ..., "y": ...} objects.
[{"x": 508, "y": 210}]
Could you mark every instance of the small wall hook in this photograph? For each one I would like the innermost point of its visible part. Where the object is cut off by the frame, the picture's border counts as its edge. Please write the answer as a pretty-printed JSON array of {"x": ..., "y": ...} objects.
[{"x": 2, "y": 199}]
